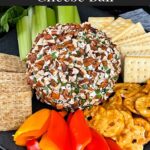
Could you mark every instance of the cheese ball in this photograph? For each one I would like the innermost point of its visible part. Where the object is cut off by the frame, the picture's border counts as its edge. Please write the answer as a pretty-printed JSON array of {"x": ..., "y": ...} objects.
[{"x": 73, "y": 66}]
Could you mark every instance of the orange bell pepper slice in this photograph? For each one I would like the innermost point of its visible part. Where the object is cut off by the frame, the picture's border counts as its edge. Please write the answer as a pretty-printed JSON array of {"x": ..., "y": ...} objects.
[
  {"x": 80, "y": 132},
  {"x": 47, "y": 144},
  {"x": 98, "y": 142},
  {"x": 58, "y": 131},
  {"x": 35, "y": 126}
]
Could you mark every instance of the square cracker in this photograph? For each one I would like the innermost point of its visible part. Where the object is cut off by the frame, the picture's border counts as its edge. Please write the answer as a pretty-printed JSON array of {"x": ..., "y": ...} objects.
[
  {"x": 133, "y": 31},
  {"x": 15, "y": 108},
  {"x": 135, "y": 40},
  {"x": 10, "y": 87},
  {"x": 136, "y": 68},
  {"x": 134, "y": 48},
  {"x": 11, "y": 63},
  {"x": 13, "y": 78},
  {"x": 117, "y": 27},
  {"x": 100, "y": 22}
]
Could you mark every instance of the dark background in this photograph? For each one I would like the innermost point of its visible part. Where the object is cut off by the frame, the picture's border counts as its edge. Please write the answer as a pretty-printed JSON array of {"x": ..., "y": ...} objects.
[{"x": 8, "y": 44}]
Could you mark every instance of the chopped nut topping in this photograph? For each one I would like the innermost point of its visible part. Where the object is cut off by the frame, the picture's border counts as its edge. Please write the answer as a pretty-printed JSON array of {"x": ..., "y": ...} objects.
[{"x": 73, "y": 66}]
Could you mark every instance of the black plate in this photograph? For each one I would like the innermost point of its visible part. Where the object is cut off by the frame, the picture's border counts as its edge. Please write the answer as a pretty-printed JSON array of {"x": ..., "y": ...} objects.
[{"x": 8, "y": 44}]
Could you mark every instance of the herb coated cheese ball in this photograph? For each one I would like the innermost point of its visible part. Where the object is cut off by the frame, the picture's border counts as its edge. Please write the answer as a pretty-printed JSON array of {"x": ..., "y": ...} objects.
[{"x": 73, "y": 66}]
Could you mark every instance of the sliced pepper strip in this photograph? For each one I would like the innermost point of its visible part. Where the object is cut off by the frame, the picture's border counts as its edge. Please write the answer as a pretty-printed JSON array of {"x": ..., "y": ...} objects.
[
  {"x": 34, "y": 127},
  {"x": 69, "y": 117},
  {"x": 32, "y": 145},
  {"x": 98, "y": 142},
  {"x": 63, "y": 113},
  {"x": 112, "y": 144},
  {"x": 58, "y": 131},
  {"x": 47, "y": 144},
  {"x": 80, "y": 132}
]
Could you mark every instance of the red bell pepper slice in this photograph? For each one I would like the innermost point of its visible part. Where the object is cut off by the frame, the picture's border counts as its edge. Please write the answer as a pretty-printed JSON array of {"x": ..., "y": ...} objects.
[
  {"x": 58, "y": 131},
  {"x": 69, "y": 117},
  {"x": 98, "y": 142},
  {"x": 32, "y": 145},
  {"x": 79, "y": 130},
  {"x": 63, "y": 113},
  {"x": 112, "y": 144}
]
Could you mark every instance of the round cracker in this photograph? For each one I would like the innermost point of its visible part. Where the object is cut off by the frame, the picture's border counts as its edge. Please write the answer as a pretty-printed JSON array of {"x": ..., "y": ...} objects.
[
  {"x": 115, "y": 123},
  {"x": 127, "y": 90},
  {"x": 129, "y": 103},
  {"x": 128, "y": 120},
  {"x": 146, "y": 125},
  {"x": 94, "y": 116},
  {"x": 131, "y": 137},
  {"x": 142, "y": 105},
  {"x": 114, "y": 102}
]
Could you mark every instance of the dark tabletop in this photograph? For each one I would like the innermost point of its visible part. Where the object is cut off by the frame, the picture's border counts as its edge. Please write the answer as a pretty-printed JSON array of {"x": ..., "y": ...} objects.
[{"x": 8, "y": 44}]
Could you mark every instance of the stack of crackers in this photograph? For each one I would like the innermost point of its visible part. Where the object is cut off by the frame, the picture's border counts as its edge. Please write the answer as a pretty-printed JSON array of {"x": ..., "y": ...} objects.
[
  {"x": 15, "y": 93},
  {"x": 132, "y": 42}
]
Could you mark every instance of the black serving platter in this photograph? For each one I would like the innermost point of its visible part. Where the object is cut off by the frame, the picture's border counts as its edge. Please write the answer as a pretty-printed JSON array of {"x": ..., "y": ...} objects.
[{"x": 8, "y": 44}]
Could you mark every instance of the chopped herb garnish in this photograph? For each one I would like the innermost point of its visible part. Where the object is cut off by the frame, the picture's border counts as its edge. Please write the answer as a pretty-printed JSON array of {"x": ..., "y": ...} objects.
[
  {"x": 41, "y": 95},
  {"x": 63, "y": 84},
  {"x": 108, "y": 71},
  {"x": 86, "y": 68},
  {"x": 90, "y": 106},
  {"x": 39, "y": 57},
  {"x": 54, "y": 37},
  {"x": 84, "y": 86},
  {"x": 116, "y": 78},
  {"x": 104, "y": 90},
  {"x": 76, "y": 90},
  {"x": 87, "y": 40},
  {"x": 98, "y": 93},
  {"x": 46, "y": 68},
  {"x": 78, "y": 53},
  {"x": 49, "y": 86},
  {"x": 34, "y": 80},
  {"x": 54, "y": 56},
  {"x": 105, "y": 67},
  {"x": 59, "y": 81},
  {"x": 82, "y": 100},
  {"x": 103, "y": 42},
  {"x": 46, "y": 89}
]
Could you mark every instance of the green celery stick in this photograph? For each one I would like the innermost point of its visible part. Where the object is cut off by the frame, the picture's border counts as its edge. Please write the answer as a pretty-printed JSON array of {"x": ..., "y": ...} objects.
[
  {"x": 41, "y": 18},
  {"x": 65, "y": 14},
  {"x": 30, "y": 14},
  {"x": 24, "y": 37},
  {"x": 77, "y": 17},
  {"x": 51, "y": 17},
  {"x": 34, "y": 28},
  {"x": 19, "y": 36}
]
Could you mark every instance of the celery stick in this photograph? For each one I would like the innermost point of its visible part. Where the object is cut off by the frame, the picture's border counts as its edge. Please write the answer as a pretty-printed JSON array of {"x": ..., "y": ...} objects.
[
  {"x": 51, "y": 17},
  {"x": 77, "y": 17},
  {"x": 19, "y": 37},
  {"x": 34, "y": 28},
  {"x": 24, "y": 37},
  {"x": 65, "y": 14},
  {"x": 30, "y": 14},
  {"x": 41, "y": 18}
]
